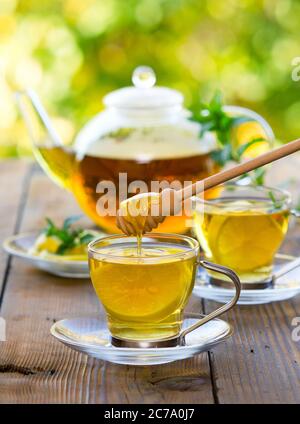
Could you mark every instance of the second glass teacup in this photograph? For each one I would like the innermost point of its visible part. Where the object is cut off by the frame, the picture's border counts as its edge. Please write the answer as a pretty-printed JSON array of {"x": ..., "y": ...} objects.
[
  {"x": 144, "y": 296},
  {"x": 243, "y": 228}
]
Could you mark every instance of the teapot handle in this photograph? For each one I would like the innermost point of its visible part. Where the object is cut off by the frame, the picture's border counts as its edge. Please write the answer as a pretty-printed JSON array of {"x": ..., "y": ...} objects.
[{"x": 242, "y": 111}]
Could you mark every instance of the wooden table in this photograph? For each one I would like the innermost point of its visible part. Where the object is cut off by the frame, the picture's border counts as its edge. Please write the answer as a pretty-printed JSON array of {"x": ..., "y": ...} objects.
[{"x": 259, "y": 364}]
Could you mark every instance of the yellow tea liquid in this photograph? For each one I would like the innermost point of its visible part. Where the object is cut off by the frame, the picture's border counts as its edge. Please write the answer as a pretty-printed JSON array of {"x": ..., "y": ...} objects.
[
  {"x": 144, "y": 296},
  {"x": 242, "y": 235}
]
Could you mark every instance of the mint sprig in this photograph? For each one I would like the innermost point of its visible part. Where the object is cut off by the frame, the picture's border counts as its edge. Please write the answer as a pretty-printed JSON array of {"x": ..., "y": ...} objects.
[
  {"x": 68, "y": 236},
  {"x": 277, "y": 204},
  {"x": 213, "y": 118}
]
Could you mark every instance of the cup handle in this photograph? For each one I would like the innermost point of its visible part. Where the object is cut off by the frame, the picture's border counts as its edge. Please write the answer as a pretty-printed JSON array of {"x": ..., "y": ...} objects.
[{"x": 236, "y": 281}]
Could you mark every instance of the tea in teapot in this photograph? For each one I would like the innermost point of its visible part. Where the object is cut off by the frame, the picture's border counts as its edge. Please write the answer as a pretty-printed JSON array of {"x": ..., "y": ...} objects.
[{"x": 119, "y": 155}]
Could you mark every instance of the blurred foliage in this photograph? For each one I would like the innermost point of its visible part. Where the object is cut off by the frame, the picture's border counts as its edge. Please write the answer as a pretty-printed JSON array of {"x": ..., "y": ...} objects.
[{"x": 72, "y": 52}]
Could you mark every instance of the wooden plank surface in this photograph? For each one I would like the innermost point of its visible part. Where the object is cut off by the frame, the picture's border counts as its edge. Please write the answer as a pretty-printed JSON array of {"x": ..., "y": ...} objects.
[
  {"x": 14, "y": 177},
  {"x": 35, "y": 368},
  {"x": 259, "y": 364}
]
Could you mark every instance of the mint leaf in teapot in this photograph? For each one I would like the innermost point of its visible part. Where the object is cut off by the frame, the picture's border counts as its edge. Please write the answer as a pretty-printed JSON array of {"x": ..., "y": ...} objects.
[
  {"x": 277, "y": 204},
  {"x": 213, "y": 118}
]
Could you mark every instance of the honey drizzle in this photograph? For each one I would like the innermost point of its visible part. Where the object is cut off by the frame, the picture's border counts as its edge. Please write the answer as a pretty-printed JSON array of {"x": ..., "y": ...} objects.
[{"x": 139, "y": 244}]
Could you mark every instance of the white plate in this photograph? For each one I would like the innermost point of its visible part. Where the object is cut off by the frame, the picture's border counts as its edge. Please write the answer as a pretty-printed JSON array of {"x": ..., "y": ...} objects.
[
  {"x": 284, "y": 287},
  {"x": 20, "y": 244},
  {"x": 91, "y": 336}
]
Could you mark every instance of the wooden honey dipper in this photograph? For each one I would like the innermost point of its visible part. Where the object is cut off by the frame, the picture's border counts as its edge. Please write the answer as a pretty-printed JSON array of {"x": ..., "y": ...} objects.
[{"x": 137, "y": 223}]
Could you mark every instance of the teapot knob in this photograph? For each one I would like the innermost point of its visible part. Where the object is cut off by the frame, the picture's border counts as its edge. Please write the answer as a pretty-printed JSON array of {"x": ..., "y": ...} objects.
[{"x": 143, "y": 77}]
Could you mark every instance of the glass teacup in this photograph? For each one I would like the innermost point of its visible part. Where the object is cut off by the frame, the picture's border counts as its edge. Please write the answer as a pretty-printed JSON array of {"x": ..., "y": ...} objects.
[
  {"x": 144, "y": 296},
  {"x": 243, "y": 228}
]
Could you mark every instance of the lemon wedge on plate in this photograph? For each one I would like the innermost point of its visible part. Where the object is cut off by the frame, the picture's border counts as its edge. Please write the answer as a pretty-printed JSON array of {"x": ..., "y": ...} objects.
[{"x": 47, "y": 246}]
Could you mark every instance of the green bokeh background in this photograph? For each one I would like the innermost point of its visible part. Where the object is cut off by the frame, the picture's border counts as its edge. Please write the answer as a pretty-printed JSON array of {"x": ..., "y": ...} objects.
[{"x": 72, "y": 52}]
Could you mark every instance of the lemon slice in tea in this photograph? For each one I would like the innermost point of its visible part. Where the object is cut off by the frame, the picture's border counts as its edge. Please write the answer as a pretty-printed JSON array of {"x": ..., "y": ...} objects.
[
  {"x": 143, "y": 291},
  {"x": 244, "y": 241}
]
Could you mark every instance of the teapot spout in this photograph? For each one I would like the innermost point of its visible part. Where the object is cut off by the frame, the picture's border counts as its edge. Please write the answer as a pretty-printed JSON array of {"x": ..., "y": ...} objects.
[
  {"x": 37, "y": 120},
  {"x": 56, "y": 160}
]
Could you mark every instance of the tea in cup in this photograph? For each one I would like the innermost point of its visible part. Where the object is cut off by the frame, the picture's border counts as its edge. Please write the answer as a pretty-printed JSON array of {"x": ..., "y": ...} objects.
[
  {"x": 243, "y": 229},
  {"x": 144, "y": 295}
]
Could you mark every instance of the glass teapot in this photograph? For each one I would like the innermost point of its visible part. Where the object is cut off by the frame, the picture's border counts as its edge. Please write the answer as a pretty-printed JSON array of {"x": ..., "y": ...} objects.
[{"x": 143, "y": 136}]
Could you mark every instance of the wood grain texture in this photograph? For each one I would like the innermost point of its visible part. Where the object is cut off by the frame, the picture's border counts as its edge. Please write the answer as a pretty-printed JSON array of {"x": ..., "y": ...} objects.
[
  {"x": 14, "y": 176},
  {"x": 261, "y": 362},
  {"x": 36, "y": 368}
]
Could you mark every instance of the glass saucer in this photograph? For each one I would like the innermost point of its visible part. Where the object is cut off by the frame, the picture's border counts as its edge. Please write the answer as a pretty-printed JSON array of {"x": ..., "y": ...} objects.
[
  {"x": 285, "y": 286},
  {"x": 91, "y": 336}
]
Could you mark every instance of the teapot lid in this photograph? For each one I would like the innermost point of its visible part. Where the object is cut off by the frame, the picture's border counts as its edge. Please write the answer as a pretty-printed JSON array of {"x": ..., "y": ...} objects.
[{"x": 143, "y": 95}]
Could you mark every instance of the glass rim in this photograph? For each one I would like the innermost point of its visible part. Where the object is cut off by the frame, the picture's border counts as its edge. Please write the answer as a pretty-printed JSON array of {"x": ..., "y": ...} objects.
[
  {"x": 192, "y": 246},
  {"x": 285, "y": 195}
]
